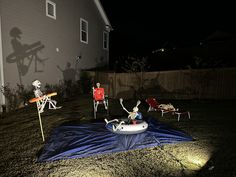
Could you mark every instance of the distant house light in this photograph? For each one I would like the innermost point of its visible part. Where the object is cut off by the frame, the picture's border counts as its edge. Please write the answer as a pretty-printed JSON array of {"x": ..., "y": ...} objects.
[
  {"x": 105, "y": 40},
  {"x": 158, "y": 50},
  {"x": 51, "y": 9},
  {"x": 83, "y": 31}
]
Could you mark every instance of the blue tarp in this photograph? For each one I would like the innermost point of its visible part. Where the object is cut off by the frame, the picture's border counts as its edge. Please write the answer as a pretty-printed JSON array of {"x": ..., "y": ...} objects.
[{"x": 83, "y": 140}]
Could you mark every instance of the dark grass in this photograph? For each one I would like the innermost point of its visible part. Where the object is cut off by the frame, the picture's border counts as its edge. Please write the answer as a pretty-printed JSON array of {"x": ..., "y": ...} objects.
[{"x": 212, "y": 125}]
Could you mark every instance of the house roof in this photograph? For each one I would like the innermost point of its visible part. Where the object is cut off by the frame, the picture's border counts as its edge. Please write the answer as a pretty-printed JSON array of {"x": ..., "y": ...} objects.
[{"x": 103, "y": 14}]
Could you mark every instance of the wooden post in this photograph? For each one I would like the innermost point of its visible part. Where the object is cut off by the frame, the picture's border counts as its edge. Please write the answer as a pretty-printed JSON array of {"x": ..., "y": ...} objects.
[
  {"x": 40, "y": 122},
  {"x": 41, "y": 126},
  {"x": 40, "y": 107}
]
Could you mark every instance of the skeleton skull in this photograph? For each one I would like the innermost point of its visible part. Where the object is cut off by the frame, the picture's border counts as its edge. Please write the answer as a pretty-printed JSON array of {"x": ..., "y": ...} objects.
[{"x": 36, "y": 84}]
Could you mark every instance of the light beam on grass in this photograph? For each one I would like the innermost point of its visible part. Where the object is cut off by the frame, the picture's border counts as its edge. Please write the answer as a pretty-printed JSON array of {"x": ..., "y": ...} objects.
[{"x": 197, "y": 161}]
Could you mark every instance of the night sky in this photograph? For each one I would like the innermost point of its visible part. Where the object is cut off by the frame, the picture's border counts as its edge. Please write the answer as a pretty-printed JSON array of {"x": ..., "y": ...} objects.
[{"x": 140, "y": 28}]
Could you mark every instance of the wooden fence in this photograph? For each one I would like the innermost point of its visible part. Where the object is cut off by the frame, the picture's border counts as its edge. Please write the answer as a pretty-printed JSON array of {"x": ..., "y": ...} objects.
[{"x": 178, "y": 84}]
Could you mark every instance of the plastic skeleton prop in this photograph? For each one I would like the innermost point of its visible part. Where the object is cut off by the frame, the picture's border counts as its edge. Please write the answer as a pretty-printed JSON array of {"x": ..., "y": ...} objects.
[
  {"x": 46, "y": 99},
  {"x": 169, "y": 107},
  {"x": 132, "y": 115},
  {"x": 41, "y": 100},
  {"x": 97, "y": 101}
]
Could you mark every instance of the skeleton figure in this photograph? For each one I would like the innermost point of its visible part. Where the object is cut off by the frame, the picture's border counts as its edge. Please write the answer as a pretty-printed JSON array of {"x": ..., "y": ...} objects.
[
  {"x": 132, "y": 117},
  {"x": 168, "y": 107},
  {"x": 45, "y": 99},
  {"x": 99, "y": 96},
  {"x": 134, "y": 114}
]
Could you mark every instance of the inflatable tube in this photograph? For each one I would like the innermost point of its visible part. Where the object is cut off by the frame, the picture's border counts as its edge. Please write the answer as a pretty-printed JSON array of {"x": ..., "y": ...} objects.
[
  {"x": 120, "y": 127},
  {"x": 40, "y": 98}
]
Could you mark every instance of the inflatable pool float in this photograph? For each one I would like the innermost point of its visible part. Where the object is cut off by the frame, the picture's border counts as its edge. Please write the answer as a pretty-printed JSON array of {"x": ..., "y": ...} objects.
[{"x": 122, "y": 127}]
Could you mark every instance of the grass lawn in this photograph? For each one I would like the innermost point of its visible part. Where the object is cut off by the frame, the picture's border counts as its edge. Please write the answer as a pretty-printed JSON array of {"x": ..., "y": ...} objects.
[{"x": 213, "y": 153}]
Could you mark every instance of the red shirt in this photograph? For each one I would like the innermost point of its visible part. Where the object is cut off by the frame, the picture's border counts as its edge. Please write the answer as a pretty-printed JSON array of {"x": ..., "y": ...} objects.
[{"x": 98, "y": 94}]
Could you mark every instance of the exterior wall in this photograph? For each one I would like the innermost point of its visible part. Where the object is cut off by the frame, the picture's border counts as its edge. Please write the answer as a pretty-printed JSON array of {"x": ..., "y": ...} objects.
[
  {"x": 56, "y": 41},
  {"x": 2, "y": 98}
]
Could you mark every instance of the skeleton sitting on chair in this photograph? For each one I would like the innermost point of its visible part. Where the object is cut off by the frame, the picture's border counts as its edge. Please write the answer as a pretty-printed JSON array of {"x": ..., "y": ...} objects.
[
  {"x": 98, "y": 94},
  {"x": 44, "y": 98}
]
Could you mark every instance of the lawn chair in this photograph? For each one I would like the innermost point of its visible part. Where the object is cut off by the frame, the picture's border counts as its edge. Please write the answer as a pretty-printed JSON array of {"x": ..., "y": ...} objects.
[
  {"x": 99, "y": 97},
  {"x": 154, "y": 105}
]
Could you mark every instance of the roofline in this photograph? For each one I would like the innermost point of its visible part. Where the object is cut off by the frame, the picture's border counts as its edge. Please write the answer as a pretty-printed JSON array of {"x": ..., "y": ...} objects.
[{"x": 103, "y": 14}]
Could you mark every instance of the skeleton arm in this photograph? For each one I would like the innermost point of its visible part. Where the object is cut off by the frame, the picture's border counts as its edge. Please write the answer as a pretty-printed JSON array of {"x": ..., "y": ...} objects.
[
  {"x": 121, "y": 103},
  {"x": 138, "y": 103}
]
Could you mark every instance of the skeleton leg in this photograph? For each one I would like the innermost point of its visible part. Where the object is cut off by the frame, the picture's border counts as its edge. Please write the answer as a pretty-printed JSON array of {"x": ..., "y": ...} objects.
[
  {"x": 114, "y": 120},
  {"x": 96, "y": 105},
  {"x": 41, "y": 105},
  {"x": 105, "y": 104},
  {"x": 52, "y": 104},
  {"x": 115, "y": 128}
]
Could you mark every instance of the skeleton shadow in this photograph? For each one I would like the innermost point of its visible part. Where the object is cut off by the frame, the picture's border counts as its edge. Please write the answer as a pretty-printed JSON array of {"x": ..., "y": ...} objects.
[{"x": 24, "y": 54}]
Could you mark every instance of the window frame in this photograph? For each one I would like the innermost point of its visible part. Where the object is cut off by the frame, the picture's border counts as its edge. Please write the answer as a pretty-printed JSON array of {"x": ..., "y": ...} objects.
[
  {"x": 81, "y": 30},
  {"x": 54, "y": 9},
  {"x": 105, "y": 40}
]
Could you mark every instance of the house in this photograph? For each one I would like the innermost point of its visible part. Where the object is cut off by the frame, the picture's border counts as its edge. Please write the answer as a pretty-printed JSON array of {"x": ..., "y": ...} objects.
[{"x": 50, "y": 40}]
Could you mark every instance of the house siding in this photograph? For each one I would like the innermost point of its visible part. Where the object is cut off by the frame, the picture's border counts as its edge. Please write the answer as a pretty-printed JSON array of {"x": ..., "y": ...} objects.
[{"x": 59, "y": 39}]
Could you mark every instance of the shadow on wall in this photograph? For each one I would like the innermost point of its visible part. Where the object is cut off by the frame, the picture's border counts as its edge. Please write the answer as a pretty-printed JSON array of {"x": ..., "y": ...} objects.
[
  {"x": 24, "y": 54},
  {"x": 69, "y": 78},
  {"x": 69, "y": 73}
]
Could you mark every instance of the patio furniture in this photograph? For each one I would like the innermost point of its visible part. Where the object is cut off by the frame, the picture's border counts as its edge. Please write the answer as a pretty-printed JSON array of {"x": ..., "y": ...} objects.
[
  {"x": 154, "y": 105},
  {"x": 182, "y": 112}
]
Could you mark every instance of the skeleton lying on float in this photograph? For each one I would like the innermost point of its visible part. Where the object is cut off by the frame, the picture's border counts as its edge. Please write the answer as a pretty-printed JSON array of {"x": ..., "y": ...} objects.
[{"x": 131, "y": 117}]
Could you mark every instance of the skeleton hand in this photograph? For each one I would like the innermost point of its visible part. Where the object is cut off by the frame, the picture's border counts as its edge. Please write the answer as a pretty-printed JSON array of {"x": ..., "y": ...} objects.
[
  {"x": 121, "y": 101},
  {"x": 138, "y": 102}
]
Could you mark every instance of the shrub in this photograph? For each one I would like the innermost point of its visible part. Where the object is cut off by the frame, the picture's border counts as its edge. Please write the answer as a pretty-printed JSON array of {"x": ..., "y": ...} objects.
[{"x": 16, "y": 97}]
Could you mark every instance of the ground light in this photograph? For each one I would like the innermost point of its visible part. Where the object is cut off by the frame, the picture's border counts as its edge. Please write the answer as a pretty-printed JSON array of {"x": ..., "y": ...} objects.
[
  {"x": 184, "y": 160},
  {"x": 190, "y": 158},
  {"x": 198, "y": 159}
]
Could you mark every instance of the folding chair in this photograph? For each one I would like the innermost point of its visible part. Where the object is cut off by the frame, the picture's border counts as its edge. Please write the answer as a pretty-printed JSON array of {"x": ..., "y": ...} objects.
[
  {"x": 154, "y": 105},
  {"x": 99, "y": 97}
]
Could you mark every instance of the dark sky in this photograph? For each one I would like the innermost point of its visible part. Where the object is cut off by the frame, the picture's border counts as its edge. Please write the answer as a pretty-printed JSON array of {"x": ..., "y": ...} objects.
[{"x": 143, "y": 26}]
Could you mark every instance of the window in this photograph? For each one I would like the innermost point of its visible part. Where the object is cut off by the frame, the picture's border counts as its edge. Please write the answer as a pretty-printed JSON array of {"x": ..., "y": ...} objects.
[
  {"x": 105, "y": 40},
  {"x": 83, "y": 31},
  {"x": 50, "y": 9}
]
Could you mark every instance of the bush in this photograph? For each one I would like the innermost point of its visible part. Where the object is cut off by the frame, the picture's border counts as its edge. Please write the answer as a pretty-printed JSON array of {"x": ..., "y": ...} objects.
[{"x": 16, "y": 97}]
